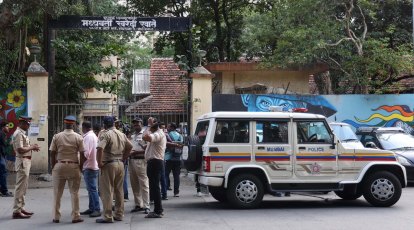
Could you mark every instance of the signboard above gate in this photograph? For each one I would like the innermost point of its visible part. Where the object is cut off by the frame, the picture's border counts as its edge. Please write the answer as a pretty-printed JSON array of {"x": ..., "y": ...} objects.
[{"x": 116, "y": 23}]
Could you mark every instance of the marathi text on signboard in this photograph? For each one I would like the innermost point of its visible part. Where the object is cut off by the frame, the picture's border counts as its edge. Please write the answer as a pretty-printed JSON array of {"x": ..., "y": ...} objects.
[{"x": 121, "y": 23}]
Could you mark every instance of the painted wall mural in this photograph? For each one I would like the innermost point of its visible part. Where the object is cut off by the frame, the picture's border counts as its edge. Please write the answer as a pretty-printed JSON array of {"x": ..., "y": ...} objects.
[
  {"x": 356, "y": 110},
  {"x": 13, "y": 103}
]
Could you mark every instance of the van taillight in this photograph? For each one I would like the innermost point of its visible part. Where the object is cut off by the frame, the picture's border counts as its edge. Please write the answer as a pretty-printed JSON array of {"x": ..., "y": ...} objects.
[{"x": 206, "y": 163}]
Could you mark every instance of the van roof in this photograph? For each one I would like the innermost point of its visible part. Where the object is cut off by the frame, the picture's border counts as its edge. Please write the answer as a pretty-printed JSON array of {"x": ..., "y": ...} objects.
[{"x": 260, "y": 115}]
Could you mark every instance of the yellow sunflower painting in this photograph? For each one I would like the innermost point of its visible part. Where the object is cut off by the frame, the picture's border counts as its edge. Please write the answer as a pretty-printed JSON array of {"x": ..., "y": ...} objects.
[{"x": 15, "y": 98}]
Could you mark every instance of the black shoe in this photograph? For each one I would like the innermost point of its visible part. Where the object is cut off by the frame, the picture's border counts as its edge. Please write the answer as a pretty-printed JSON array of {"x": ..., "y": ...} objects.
[
  {"x": 86, "y": 212},
  {"x": 154, "y": 215},
  {"x": 56, "y": 221},
  {"x": 147, "y": 210},
  {"x": 117, "y": 218},
  {"x": 176, "y": 195},
  {"x": 103, "y": 221},
  {"x": 7, "y": 194},
  {"x": 169, "y": 189},
  {"x": 287, "y": 193},
  {"x": 95, "y": 214},
  {"x": 165, "y": 198},
  {"x": 137, "y": 209}
]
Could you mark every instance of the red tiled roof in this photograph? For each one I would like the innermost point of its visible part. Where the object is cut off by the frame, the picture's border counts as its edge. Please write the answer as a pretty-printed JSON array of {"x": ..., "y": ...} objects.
[{"x": 168, "y": 92}]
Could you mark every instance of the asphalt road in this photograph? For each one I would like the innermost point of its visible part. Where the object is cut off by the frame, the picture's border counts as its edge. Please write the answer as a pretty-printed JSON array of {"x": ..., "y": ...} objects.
[{"x": 299, "y": 211}]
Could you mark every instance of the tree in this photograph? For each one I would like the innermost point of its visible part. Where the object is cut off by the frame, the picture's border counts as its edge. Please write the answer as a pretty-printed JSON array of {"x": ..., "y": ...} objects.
[
  {"x": 364, "y": 52},
  {"x": 20, "y": 19}
]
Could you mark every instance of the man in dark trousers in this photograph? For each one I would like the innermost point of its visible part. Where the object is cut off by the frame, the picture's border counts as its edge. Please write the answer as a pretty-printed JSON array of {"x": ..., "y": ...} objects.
[
  {"x": 4, "y": 143},
  {"x": 154, "y": 154},
  {"x": 113, "y": 148}
]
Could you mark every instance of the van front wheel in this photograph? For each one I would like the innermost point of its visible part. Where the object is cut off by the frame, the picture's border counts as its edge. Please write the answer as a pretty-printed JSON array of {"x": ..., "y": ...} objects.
[
  {"x": 245, "y": 191},
  {"x": 382, "y": 189}
]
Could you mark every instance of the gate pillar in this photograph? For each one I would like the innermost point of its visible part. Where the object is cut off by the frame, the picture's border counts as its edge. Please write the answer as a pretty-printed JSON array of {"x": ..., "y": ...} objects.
[
  {"x": 201, "y": 94},
  {"x": 37, "y": 108}
]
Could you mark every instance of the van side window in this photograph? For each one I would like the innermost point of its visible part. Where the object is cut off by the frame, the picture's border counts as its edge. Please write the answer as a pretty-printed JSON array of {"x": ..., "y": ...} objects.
[
  {"x": 272, "y": 132},
  {"x": 313, "y": 132},
  {"x": 233, "y": 131},
  {"x": 201, "y": 131}
]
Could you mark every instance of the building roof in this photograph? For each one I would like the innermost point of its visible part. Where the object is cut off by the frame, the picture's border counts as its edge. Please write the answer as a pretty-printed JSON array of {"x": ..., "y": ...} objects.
[{"x": 168, "y": 91}]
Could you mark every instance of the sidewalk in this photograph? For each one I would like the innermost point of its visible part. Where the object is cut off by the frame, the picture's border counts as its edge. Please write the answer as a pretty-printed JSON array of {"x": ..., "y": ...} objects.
[
  {"x": 34, "y": 181},
  {"x": 40, "y": 201}
]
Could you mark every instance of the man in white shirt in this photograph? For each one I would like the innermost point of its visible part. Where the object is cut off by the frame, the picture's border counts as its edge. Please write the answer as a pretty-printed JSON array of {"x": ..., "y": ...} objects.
[
  {"x": 90, "y": 169},
  {"x": 154, "y": 155}
]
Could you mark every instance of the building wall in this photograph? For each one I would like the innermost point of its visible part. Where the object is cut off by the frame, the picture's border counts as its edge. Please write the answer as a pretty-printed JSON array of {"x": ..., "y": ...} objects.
[
  {"x": 38, "y": 109},
  {"x": 99, "y": 103},
  {"x": 390, "y": 110},
  {"x": 202, "y": 100},
  {"x": 294, "y": 81}
]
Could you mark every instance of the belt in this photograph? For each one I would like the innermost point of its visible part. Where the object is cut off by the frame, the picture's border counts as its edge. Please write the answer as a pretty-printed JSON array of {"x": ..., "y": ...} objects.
[
  {"x": 138, "y": 158},
  {"x": 112, "y": 161},
  {"x": 68, "y": 162},
  {"x": 26, "y": 157}
]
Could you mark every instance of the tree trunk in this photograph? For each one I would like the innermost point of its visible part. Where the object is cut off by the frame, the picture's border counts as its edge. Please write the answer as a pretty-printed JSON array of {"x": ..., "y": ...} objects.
[
  {"x": 219, "y": 34},
  {"x": 323, "y": 83}
]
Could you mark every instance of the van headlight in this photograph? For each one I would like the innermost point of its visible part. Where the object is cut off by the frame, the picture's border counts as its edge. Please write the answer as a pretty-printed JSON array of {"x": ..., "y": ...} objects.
[{"x": 403, "y": 160}]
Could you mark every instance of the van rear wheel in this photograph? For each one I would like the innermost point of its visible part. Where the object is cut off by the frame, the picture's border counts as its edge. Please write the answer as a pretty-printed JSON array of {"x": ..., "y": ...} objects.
[{"x": 245, "y": 191}]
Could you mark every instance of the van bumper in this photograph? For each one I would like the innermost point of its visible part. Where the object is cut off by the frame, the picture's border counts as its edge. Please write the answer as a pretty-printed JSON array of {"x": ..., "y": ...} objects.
[
  {"x": 206, "y": 180},
  {"x": 211, "y": 181}
]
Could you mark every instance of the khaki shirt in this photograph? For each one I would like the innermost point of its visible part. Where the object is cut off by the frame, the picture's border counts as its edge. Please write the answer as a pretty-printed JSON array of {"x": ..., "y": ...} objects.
[
  {"x": 113, "y": 143},
  {"x": 67, "y": 144},
  {"x": 156, "y": 148},
  {"x": 21, "y": 140}
]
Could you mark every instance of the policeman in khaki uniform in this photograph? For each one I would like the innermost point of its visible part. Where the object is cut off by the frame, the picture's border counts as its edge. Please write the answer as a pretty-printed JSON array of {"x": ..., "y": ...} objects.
[
  {"x": 138, "y": 169},
  {"x": 113, "y": 148},
  {"x": 65, "y": 149},
  {"x": 23, "y": 150}
]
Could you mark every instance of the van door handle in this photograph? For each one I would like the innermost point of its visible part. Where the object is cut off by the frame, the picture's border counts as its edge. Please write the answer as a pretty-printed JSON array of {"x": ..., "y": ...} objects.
[
  {"x": 213, "y": 150},
  {"x": 260, "y": 148},
  {"x": 302, "y": 148}
]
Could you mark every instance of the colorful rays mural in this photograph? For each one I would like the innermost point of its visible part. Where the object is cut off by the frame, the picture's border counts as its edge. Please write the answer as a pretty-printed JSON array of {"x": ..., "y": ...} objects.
[
  {"x": 13, "y": 103},
  {"x": 399, "y": 116}
]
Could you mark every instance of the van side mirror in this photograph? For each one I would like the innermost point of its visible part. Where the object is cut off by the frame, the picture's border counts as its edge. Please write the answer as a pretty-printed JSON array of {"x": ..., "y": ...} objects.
[{"x": 334, "y": 140}]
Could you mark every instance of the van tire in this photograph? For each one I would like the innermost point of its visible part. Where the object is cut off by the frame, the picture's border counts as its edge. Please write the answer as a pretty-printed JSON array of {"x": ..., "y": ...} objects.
[
  {"x": 195, "y": 154},
  {"x": 382, "y": 189},
  {"x": 245, "y": 191},
  {"x": 218, "y": 193}
]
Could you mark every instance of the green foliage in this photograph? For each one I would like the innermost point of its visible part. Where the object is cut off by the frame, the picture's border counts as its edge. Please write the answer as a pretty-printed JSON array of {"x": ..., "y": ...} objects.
[{"x": 365, "y": 44}]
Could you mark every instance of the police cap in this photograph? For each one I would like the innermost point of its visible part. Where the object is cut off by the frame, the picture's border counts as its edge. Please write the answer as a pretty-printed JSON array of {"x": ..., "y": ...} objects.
[
  {"x": 108, "y": 120},
  {"x": 70, "y": 119},
  {"x": 25, "y": 118},
  {"x": 136, "y": 119}
]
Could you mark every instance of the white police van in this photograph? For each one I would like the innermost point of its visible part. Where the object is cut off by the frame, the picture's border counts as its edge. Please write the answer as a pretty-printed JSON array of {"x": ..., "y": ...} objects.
[{"x": 240, "y": 156}]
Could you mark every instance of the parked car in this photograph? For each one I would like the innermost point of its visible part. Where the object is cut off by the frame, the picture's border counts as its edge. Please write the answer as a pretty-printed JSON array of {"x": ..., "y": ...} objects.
[
  {"x": 393, "y": 139},
  {"x": 240, "y": 156},
  {"x": 346, "y": 135}
]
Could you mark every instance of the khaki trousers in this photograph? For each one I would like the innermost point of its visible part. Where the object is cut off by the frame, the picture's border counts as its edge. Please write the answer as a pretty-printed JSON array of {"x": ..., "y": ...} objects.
[
  {"x": 139, "y": 182},
  {"x": 71, "y": 173},
  {"x": 22, "y": 182},
  {"x": 111, "y": 186}
]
